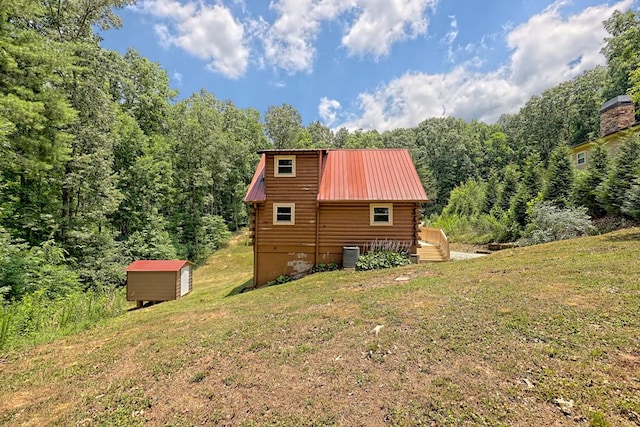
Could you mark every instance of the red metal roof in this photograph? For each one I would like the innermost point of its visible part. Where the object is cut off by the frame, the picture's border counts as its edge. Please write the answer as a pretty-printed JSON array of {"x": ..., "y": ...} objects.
[
  {"x": 157, "y": 265},
  {"x": 256, "y": 188},
  {"x": 364, "y": 175},
  {"x": 370, "y": 175}
]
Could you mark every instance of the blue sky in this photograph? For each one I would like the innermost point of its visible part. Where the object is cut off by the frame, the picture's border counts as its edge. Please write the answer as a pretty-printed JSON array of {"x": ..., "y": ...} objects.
[{"x": 369, "y": 64}]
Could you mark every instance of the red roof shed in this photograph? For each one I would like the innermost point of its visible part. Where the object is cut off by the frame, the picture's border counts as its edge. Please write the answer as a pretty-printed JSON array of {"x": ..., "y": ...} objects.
[{"x": 158, "y": 280}]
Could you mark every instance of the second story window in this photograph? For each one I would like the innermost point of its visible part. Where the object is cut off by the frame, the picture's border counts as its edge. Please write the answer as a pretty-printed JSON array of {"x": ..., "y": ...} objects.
[
  {"x": 581, "y": 158},
  {"x": 285, "y": 166}
]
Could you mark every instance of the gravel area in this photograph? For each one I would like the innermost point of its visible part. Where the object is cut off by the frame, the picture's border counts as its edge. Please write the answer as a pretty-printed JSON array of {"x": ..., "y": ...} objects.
[{"x": 458, "y": 256}]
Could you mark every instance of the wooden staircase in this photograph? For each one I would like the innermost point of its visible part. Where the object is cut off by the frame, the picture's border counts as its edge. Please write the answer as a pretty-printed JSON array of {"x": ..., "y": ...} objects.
[{"x": 434, "y": 245}]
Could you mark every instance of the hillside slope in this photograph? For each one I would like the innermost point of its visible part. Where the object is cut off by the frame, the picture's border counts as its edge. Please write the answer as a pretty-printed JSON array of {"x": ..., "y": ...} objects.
[{"x": 544, "y": 335}]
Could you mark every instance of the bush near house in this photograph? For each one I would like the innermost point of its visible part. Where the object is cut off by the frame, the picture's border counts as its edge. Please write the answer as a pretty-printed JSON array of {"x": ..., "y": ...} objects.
[{"x": 381, "y": 259}]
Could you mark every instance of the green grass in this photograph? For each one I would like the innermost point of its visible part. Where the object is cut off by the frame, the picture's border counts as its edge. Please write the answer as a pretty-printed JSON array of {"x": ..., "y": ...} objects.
[{"x": 493, "y": 341}]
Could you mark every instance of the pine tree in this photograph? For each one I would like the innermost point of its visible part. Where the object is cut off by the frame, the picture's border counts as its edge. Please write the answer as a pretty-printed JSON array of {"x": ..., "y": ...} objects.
[
  {"x": 509, "y": 186},
  {"x": 613, "y": 190},
  {"x": 560, "y": 177},
  {"x": 631, "y": 205},
  {"x": 586, "y": 184}
]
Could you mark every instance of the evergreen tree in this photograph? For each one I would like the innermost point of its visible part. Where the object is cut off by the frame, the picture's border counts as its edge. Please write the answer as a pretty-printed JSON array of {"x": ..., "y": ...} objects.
[
  {"x": 631, "y": 205},
  {"x": 585, "y": 190},
  {"x": 533, "y": 175},
  {"x": 492, "y": 192},
  {"x": 518, "y": 208},
  {"x": 626, "y": 167},
  {"x": 559, "y": 177},
  {"x": 509, "y": 186}
]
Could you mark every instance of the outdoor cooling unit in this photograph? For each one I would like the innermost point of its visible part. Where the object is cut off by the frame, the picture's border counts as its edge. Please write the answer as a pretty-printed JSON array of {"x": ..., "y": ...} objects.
[{"x": 350, "y": 256}]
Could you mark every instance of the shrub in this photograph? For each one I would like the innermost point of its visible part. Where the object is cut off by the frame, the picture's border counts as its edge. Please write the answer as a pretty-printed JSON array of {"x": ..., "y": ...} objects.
[
  {"x": 319, "y": 268},
  {"x": 280, "y": 280},
  {"x": 550, "y": 223},
  {"x": 381, "y": 259}
]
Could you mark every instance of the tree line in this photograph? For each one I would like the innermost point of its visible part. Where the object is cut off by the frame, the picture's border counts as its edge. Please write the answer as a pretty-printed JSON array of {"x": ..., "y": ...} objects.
[{"x": 100, "y": 164}]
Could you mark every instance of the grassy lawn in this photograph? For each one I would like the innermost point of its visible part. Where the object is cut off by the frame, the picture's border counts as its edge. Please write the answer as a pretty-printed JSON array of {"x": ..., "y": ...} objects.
[{"x": 545, "y": 335}]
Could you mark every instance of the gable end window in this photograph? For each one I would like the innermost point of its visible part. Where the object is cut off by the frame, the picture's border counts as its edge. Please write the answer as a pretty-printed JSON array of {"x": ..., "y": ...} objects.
[
  {"x": 284, "y": 213},
  {"x": 285, "y": 166},
  {"x": 581, "y": 158},
  {"x": 381, "y": 214}
]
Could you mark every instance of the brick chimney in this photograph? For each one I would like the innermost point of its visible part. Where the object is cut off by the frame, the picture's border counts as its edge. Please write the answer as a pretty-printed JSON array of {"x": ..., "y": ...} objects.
[{"x": 616, "y": 114}]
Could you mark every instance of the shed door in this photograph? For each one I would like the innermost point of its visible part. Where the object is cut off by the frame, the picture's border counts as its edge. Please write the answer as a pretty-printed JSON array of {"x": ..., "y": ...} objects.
[{"x": 184, "y": 280}]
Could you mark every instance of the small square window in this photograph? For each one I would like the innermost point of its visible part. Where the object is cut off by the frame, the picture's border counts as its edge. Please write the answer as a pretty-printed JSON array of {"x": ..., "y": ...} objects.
[
  {"x": 381, "y": 214},
  {"x": 581, "y": 158},
  {"x": 284, "y": 213},
  {"x": 285, "y": 166}
]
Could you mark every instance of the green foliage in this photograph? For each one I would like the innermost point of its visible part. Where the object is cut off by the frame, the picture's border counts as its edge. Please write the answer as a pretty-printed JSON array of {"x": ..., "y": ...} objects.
[
  {"x": 283, "y": 125},
  {"x": 492, "y": 192},
  {"x": 24, "y": 269},
  {"x": 153, "y": 242},
  {"x": 479, "y": 229},
  {"x": 550, "y": 223},
  {"x": 585, "y": 189},
  {"x": 612, "y": 192},
  {"x": 467, "y": 199},
  {"x": 322, "y": 267},
  {"x": 280, "y": 280},
  {"x": 509, "y": 186},
  {"x": 622, "y": 51},
  {"x": 214, "y": 233},
  {"x": 631, "y": 205},
  {"x": 39, "y": 318},
  {"x": 375, "y": 260},
  {"x": 559, "y": 177},
  {"x": 518, "y": 208}
]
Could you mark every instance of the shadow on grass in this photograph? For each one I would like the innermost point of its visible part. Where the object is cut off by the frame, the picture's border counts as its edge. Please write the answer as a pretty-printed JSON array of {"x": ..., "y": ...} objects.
[
  {"x": 241, "y": 288},
  {"x": 145, "y": 305},
  {"x": 625, "y": 237}
]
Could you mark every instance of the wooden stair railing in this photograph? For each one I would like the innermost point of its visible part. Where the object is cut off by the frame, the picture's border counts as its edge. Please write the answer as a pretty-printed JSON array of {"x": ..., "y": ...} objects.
[{"x": 434, "y": 245}]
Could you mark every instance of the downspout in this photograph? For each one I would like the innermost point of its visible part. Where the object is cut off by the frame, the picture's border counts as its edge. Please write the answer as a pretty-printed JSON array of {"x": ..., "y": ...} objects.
[
  {"x": 317, "y": 254},
  {"x": 255, "y": 245}
]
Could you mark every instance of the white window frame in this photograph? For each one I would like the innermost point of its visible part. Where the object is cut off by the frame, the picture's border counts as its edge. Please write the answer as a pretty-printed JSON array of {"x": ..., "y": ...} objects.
[
  {"x": 277, "y": 206},
  {"x": 584, "y": 158},
  {"x": 276, "y": 166},
  {"x": 373, "y": 207}
]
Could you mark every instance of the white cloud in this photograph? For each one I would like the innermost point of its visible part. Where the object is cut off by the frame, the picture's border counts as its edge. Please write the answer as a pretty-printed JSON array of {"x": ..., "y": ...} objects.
[
  {"x": 328, "y": 109},
  {"x": 378, "y": 24},
  {"x": 450, "y": 37},
  {"x": 288, "y": 43},
  {"x": 549, "y": 49},
  {"x": 177, "y": 76},
  {"x": 381, "y": 23},
  {"x": 546, "y": 50},
  {"x": 207, "y": 32},
  {"x": 413, "y": 97}
]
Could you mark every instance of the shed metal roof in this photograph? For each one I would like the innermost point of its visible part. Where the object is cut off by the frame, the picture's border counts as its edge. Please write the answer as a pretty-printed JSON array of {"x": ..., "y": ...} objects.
[
  {"x": 256, "y": 188},
  {"x": 370, "y": 175},
  {"x": 157, "y": 265}
]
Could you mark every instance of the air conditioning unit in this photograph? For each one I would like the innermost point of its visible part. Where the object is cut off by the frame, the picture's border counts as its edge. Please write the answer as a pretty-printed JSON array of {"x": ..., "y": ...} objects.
[{"x": 350, "y": 256}]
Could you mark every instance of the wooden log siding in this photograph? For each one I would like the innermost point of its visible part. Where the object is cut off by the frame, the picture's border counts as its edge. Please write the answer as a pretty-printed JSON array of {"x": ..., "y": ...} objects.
[
  {"x": 324, "y": 225},
  {"x": 343, "y": 224},
  {"x": 287, "y": 249}
]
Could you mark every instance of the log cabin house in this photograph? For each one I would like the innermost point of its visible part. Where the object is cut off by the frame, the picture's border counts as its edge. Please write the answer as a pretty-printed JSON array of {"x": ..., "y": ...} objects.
[{"x": 307, "y": 204}]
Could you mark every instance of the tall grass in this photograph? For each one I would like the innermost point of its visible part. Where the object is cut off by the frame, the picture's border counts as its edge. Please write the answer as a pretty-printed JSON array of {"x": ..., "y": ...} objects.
[{"x": 37, "y": 318}]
